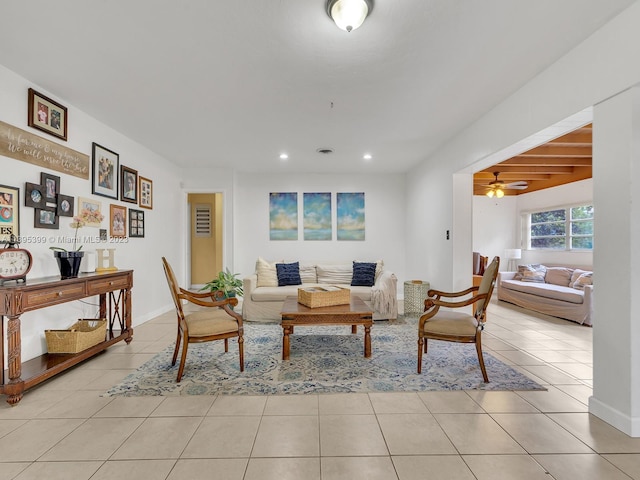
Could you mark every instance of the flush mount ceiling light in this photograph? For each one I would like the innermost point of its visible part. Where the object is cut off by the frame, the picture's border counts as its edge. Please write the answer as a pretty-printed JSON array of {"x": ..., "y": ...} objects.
[{"x": 349, "y": 14}]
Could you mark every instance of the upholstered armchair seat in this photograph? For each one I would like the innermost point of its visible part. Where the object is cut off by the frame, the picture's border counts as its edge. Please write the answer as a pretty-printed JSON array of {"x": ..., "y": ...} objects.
[
  {"x": 452, "y": 323},
  {"x": 206, "y": 323}
]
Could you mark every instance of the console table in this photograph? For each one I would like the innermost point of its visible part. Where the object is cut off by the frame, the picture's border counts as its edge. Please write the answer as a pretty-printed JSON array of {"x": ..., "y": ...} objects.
[{"x": 114, "y": 291}]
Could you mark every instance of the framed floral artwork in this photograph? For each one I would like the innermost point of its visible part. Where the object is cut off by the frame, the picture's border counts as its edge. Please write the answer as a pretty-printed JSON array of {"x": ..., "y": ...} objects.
[
  {"x": 47, "y": 115},
  {"x": 92, "y": 206},
  {"x": 118, "y": 221},
  {"x": 105, "y": 169},
  {"x": 146, "y": 193}
]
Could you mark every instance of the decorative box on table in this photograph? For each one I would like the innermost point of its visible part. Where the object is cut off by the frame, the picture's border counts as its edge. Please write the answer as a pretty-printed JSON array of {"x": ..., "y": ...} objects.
[
  {"x": 81, "y": 335},
  {"x": 324, "y": 296}
]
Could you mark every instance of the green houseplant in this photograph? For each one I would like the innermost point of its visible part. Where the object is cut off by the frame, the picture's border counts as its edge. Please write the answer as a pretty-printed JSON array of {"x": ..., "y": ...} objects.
[{"x": 226, "y": 282}]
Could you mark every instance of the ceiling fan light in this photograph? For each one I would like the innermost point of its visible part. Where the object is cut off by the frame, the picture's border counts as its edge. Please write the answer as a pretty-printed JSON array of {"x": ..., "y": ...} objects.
[
  {"x": 499, "y": 193},
  {"x": 349, "y": 14},
  {"x": 490, "y": 193}
]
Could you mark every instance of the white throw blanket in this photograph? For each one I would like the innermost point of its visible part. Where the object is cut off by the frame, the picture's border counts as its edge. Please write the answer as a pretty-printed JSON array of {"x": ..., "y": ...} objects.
[{"x": 384, "y": 299}]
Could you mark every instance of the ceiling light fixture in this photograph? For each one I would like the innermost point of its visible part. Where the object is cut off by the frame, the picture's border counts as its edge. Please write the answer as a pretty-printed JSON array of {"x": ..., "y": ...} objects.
[
  {"x": 349, "y": 14},
  {"x": 367, "y": 156},
  {"x": 283, "y": 156}
]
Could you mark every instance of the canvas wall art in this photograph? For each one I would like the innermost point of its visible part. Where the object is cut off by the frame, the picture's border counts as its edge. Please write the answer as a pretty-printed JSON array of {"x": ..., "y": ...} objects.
[
  {"x": 350, "y": 216},
  {"x": 317, "y": 216},
  {"x": 283, "y": 216}
]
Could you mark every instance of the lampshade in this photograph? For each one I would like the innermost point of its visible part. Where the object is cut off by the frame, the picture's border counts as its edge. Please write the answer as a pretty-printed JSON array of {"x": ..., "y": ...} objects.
[
  {"x": 513, "y": 253},
  {"x": 490, "y": 193},
  {"x": 349, "y": 14},
  {"x": 499, "y": 193}
]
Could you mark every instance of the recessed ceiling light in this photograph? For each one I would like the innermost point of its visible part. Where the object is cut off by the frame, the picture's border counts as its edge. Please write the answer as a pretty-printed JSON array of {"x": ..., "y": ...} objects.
[
  {"x": 367, "y": 156},
  {"x": 283, "y": 156}
]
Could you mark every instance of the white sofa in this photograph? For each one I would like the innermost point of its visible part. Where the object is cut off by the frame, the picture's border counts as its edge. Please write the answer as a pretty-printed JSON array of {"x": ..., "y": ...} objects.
[
  {"x": 558, "y": 295},
  {"x": 264, "y": 303}
]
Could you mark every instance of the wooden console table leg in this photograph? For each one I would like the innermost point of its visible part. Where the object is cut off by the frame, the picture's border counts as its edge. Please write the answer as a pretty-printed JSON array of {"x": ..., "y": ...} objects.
[
  {"x": 15, "y": 386},
  {"x": 354, "y": 328},
  {"x": 286, "y": 330},
  {"x": 367, "y": 341}
]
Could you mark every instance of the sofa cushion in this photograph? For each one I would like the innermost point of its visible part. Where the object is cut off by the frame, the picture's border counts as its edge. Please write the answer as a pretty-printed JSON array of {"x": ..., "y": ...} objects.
[
  {"x": 557, "y": 292},
  {"x": 558, "y": 276},
  {"x": 271, "y": 294},
  {"x": 364, "y": 274},
  {"x": 308, "y": 274},
  {"x": 531, "y": 273},
  {"x": 575, "y": 275},
  {"x": 288, "y": 274},
  {"x": 267, "y": 273},
  {"x": 585, "y": 279},
  {"x": 336, "y": 274}
]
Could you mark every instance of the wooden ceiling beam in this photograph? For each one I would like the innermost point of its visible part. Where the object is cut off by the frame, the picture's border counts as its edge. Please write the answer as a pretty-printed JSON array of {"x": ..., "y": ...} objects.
[
  {"x": 503, "y": 169},
  {"x": 485, "y": 178},
  {"x": 541, "y": 161},
  {"x": 558, "y": 151}
]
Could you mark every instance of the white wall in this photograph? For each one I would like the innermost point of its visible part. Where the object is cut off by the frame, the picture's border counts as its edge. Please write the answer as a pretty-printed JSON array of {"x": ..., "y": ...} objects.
[
  {"x": 497, "y": 225},
  {"x": 150, "y": 294},
  {"x": 495, "y": 228},
  {"x": 599, "y": 68},
  {"x": 384, "y": 219}
]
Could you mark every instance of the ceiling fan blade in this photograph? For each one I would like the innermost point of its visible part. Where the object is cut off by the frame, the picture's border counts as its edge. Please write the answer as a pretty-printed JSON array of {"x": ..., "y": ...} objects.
[
  {"x": 520, "y": 184},
  {"x": 517, "y": 187}
]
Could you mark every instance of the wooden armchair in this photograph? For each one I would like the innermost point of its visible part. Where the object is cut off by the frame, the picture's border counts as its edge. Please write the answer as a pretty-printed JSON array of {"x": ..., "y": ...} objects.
[
  {"x": 217, "y": 323},
  {"x": 454, "y": 326}
]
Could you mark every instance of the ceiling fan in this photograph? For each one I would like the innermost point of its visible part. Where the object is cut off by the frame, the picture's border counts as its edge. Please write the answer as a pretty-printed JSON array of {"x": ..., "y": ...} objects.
[{"x": 497, "y": 187}]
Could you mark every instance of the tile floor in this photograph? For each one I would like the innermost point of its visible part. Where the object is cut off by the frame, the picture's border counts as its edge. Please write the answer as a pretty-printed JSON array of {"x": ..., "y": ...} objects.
[{"x": 64, "y": 429}]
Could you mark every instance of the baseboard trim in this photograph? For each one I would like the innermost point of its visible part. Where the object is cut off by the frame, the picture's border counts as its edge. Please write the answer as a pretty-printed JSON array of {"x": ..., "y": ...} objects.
[{"x": 615, "y": 418}]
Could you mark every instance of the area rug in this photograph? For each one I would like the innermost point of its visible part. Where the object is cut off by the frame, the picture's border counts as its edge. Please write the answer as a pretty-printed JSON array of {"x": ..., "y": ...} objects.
[{"x": 323, "y": 359}]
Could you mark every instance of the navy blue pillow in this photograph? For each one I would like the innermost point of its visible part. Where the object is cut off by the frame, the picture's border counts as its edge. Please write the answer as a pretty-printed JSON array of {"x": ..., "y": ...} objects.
[
  {"x": 288, "y": 274},
  {"x": 364, "y": 274}
]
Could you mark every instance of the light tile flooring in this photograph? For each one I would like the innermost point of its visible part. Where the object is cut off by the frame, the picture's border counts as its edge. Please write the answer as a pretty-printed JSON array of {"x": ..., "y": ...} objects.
[{"x": 65, "y": 429}]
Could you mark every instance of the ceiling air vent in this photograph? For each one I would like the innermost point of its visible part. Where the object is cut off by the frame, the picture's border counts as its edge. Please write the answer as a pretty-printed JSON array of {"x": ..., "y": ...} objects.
[
  {"x": 203, "y": 220},
  {"x": 325, "y": 151}
]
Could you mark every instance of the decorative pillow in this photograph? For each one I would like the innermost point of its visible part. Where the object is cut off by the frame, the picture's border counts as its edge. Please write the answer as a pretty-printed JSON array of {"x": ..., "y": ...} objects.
[
  {"x": 584, "y": 279},
  {"x": 575, "y": 275},
  {"x": 308, "y": 274},
  {"x": 531, "y": 273},
  {"x": 379, "y": 266},
  {"x": 558, "y": 276},
  {"x": 339, "y": 274},
  {"x": 288, "y": 274},
  {"x": 364, "y": 274},
  {"x": 267, "y": 274}
]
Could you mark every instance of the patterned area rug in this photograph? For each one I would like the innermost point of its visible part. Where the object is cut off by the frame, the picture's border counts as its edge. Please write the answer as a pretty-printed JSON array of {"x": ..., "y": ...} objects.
[{"x": 324, "y": 359}]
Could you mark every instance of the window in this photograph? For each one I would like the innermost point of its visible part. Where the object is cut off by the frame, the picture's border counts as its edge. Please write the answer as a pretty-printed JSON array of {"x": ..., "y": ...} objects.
[{"x": 569, "y": 228}]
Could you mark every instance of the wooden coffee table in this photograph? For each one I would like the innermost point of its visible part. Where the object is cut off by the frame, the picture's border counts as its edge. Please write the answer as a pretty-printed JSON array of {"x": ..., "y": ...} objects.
[{"x": 354, "y": 314}]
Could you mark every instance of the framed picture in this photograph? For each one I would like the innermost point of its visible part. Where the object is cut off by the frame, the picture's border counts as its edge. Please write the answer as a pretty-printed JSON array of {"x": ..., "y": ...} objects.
[
  {"x": 146, "y": 193},
  {"x": 9, "y": 213},
  {"x": 47, "y": 115},
  {"x": 128, "y": 184},
  {"x": 65, "y": 206},
  {"x": 46, "y": 218},
  {"x": 50, "y": 186},
  {"x": 89, "y": 204},
  {"x": 136, "y": 223},
  {"x": 105, "y": 171},
  {"x": 118, "y": 221},
  {"x": 34, "y": 195}
]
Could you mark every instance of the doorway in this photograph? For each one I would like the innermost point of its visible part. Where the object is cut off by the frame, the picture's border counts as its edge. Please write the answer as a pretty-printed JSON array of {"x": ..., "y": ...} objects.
[{"x": 205, "y": 237}]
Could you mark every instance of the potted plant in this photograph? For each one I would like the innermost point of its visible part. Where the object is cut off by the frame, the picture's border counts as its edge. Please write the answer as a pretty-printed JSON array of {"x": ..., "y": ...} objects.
[
  {"x": 69, "y": 260},
  {"x": 226, "y": 282}
]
